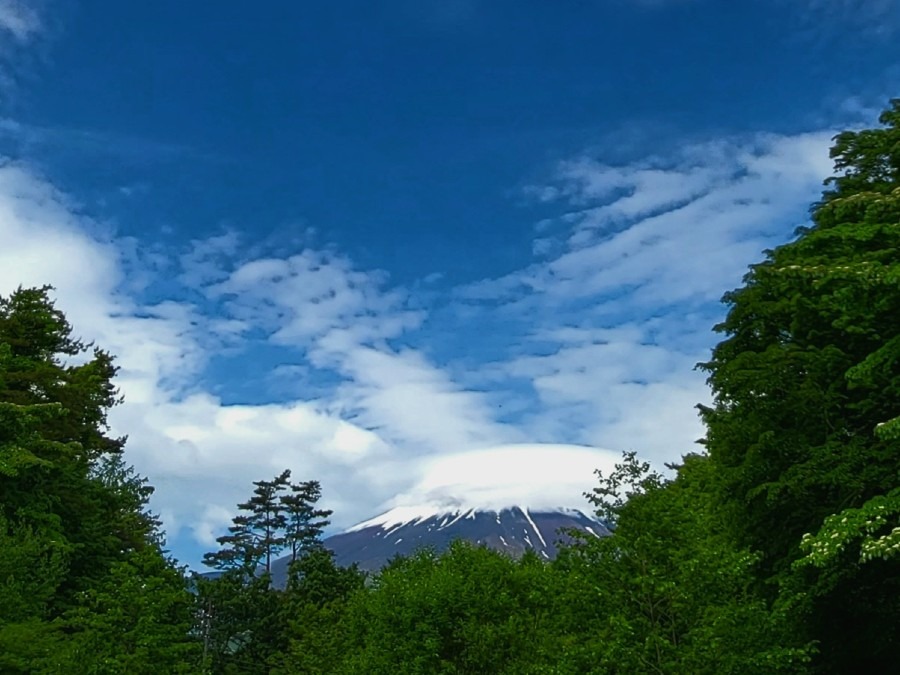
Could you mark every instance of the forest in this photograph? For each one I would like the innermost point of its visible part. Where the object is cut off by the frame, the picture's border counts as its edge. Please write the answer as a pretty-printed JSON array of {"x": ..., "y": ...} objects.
[{"x": 774, "y": 547}]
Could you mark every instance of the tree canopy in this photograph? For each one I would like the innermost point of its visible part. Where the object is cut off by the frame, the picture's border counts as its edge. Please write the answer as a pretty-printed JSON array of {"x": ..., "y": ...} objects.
[
  {"x": 804, "y": 433},
  {"x": 84, "y": 581}
]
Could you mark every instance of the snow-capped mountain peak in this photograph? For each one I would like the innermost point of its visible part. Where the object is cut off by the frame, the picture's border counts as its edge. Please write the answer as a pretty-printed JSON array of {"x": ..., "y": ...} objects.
[
  {"x": 512, "y": 498},
  {"x": 448, "y": 515},
  {"x": 513, "y": 530}
]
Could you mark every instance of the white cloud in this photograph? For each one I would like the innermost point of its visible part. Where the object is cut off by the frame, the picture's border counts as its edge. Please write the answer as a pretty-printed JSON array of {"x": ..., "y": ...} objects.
[
  {"x": 200, "y": 453},
  {"x": 618, "y": 315},
  {"x": 19, "y": 19},
  {"x": 203, "y": 263},
  {"x": 415, "y": 404},
  {"x": 211, "y": 524},
  {"x": 536, "y": 477},
  {"x": 636, "y": 237},
  {"x": 612, "y": 388},
  {"x": 342, "y": 320},
  {"x": 306, "y": 296}
]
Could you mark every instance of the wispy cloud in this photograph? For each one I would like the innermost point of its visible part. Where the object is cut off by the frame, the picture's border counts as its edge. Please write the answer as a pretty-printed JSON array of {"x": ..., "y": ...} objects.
[
  {"x": 877, "y": 18},
  {"x": 635, "y": 233},
  {"x": 19, "y": 19},
  {"x": 200, "y": 452},
  {"x": 617, "y": 307},
  {"x": 22, "y": 26},
  {"x": 594, "y": 340},
  {"x": 348, "y": 322},
  {"x": 307, "y": 296},
  {"x": 417, "y": 404},
  {"x": 94, "y": 145}
]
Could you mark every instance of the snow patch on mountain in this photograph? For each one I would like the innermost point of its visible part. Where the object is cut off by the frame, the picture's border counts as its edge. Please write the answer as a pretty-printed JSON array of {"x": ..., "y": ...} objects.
[
  {"x": 398, "y": 517},
  {"x": 535, "y": 478}
]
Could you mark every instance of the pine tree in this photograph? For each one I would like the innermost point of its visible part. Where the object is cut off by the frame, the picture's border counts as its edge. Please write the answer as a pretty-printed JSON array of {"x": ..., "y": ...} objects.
[
  {"x": 304, "y": 522},
  {"x": 245, "y": 619},
  {"x": 238, "y": 548},
  {"x": 84, "y": 583},
  {"x": 256, "y": 536},
  {"x": 267, "y": 519}
]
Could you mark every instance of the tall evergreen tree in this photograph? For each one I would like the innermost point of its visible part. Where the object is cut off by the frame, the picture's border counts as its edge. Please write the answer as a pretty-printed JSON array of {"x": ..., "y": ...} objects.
[
  {"x": 304, "y": 523},
  {"x": 244, "y": 619},
  {"x": 256, "y": 535},
  {"x": 266, "y": 517},
  {"x": 84, "y": 583}
]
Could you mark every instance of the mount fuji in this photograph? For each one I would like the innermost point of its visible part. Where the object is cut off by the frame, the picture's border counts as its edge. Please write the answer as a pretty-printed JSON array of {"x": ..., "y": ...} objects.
[
  {"x": 512, "y": 498},
  {"x": 513, "y": 530}
]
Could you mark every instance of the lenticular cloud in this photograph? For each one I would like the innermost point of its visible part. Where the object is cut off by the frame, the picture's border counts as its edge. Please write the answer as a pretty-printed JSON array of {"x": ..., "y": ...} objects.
[{"x": 534, "y": 476}]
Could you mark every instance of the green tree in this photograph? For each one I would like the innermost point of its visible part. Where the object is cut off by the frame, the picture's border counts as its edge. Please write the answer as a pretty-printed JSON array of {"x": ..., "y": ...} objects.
[
  {"x": 238, "y": 616},
  {"x": 867, "y": 160},
  {"x": 137, "y": 620},
  {"x": 806, "y": 384},
  {"x": 469, "y": 610},
  {"x": 244, "y": 621},
  {"x": 316, "y": 613},
  {"x": 78, "y": 544},
  {"x": 666, "y": 592},
  {"x": 304, "y": 523},
  {"x": 279, "y": 514},
  {"x": 256, "y": 536},
  {"x": 38, "y": 338}
]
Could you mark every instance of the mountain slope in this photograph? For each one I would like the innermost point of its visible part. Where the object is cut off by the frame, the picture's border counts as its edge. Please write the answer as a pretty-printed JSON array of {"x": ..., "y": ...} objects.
[{"x": 402, "y": 531}]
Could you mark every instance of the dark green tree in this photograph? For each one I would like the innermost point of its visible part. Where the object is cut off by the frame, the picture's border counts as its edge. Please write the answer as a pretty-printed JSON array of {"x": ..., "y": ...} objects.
[
  {"x": 138, "y": 620},
  {"x": 468, "y": 610},
  {"x": 316, "y": 612},
  {"x": 666, "y": 592},
  {"x": 239, "y": 550},
  {"x": 257, "y": 534},
  {"x": 244, "y": 620},
  {"x": 78, "y": 544},
  {"x": 806, "y": 384},
  {"x": 867, "y": 160},
  {"x": 238, "y": 616},
  {"x": 39, "y": 339},
  {"x": 266, "y": 516},
  {"x": 304, "y": 523}
]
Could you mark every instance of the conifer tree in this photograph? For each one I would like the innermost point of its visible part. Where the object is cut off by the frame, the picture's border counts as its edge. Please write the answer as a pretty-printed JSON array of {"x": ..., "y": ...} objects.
[
  {"x": 256, "y": 535},
  {"x": 267, "y": 519},
  {"x": 304, "y": 523},
  {"x": 85, "y": 585},
  {"x": 244, "y": 618}
]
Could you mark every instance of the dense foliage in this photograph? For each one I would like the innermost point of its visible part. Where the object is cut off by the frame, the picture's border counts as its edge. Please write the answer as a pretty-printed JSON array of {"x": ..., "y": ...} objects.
[
  {"x": 775, "y": 550},
  {"x": 804, "y": 435},
  {"x": 85, "y": 585}
]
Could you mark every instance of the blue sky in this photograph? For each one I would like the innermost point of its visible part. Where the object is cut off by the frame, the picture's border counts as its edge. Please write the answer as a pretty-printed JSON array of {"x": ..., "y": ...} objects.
[{"x": 371, "y": 241}]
